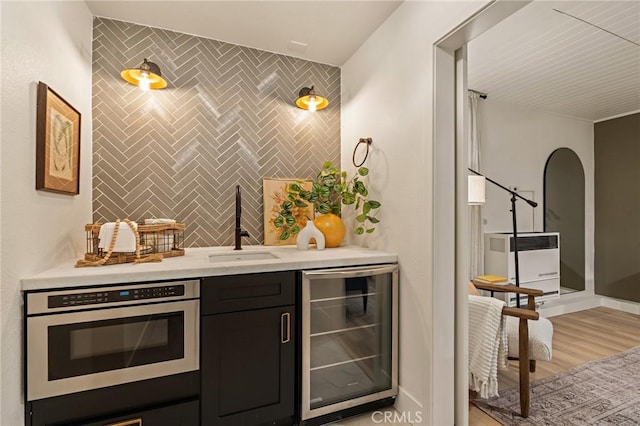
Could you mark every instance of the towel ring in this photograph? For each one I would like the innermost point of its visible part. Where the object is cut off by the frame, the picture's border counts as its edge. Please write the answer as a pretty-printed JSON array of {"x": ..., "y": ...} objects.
[{"x": 367, "y": 142}]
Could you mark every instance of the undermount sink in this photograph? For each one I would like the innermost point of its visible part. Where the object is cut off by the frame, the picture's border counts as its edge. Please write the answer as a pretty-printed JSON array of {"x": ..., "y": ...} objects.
[{"x": 241, "y": 256}]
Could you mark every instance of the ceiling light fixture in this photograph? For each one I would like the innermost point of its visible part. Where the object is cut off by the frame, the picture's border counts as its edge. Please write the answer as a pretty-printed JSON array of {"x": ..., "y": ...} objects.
[
  {"x": 310, "y": 100},
  {"x": 146, "y": 76}
]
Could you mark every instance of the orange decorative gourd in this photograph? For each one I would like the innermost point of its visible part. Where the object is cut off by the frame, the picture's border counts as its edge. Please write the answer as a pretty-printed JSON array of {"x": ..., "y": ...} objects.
[{"x": 331, "y": 227}]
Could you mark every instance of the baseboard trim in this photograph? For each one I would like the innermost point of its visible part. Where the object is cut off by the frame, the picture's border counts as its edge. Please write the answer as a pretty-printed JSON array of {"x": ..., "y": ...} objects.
[
  {"x": 569, "y": 303},
  {"x": 621, "y": 305},
  {"x": 574, "y": 302}
]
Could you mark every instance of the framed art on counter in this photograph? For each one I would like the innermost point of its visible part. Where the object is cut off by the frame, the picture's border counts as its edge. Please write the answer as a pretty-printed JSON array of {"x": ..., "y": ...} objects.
[
  {"x": 57, "y": 143},
  {"x": 274, "y": 194}
]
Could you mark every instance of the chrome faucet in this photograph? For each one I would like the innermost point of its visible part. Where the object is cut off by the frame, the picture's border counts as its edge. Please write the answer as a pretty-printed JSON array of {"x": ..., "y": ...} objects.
[{"x": 239, "y": 232}]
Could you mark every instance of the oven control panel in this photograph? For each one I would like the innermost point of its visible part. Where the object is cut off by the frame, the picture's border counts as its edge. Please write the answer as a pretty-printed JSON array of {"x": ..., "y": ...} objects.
[{"x": 112, "y": 296}]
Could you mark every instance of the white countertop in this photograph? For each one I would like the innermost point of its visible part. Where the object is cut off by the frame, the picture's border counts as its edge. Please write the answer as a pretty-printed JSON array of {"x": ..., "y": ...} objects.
[{"x": 196, "y": 264}]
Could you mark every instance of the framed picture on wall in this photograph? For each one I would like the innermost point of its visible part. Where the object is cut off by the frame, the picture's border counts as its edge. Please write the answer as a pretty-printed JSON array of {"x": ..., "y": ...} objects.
[{"x": 57, "y": 143}]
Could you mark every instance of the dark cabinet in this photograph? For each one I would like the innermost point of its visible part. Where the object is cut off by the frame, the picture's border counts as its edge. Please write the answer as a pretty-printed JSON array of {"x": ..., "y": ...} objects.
[
  {"x": 164, "y": 401},
  {"x": 248, "y": 349},
  {"x": 184, "y": 414}
]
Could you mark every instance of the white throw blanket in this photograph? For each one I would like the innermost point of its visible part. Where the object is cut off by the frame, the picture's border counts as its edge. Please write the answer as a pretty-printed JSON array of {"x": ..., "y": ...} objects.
[{"x": 487, "y": 344}]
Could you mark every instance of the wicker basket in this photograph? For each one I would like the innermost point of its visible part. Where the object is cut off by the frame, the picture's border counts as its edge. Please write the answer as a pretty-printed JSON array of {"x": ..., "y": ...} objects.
[{"x": 165, "y": 239}]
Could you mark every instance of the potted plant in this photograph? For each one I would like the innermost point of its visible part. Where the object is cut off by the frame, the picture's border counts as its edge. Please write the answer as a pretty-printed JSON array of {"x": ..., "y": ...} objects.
[{"x": 329, "y": 192}]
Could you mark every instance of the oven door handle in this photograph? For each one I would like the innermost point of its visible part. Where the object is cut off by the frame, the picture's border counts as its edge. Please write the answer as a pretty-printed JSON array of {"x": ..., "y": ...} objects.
[{"x": 130, "y": 422}]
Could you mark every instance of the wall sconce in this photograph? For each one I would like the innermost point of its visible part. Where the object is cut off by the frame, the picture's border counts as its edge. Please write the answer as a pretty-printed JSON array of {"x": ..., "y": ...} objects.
[
  {"x": 310, "y": 100},
  {"x": 147, "y": 76},
  {"x": 476, "y": 190}
]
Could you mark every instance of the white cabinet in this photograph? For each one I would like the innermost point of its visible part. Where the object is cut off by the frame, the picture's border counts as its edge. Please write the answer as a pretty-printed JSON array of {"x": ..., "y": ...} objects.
[{"x": 539, "y": 261}]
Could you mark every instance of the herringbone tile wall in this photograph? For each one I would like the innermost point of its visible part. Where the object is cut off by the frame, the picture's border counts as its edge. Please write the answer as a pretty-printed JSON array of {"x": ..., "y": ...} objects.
[{"x": 227, "y": 117}]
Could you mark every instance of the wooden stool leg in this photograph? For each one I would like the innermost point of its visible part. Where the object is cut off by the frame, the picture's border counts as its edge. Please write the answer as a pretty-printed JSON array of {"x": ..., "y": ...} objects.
[
  {"x": 523, "y": 343},
  {"x": 532, "y": 365}
]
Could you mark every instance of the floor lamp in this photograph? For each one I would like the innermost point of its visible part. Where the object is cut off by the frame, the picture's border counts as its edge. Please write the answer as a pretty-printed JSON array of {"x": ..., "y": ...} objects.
[{"x": 514, "y": 197}]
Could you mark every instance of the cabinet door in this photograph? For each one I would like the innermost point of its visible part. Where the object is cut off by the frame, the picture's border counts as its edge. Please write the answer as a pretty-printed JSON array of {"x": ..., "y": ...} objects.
[{"x": 248, "y": 367}]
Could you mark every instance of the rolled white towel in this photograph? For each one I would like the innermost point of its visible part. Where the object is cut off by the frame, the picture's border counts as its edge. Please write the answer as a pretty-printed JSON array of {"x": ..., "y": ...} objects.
[
  {"x": 156, "y": 221},
  {"x": 163, "y": 243},
  {"x": 126, "y": 240}
]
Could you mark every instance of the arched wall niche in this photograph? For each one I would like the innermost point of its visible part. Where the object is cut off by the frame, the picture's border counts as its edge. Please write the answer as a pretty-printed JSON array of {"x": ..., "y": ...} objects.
[{"x": 564, "y": 212}]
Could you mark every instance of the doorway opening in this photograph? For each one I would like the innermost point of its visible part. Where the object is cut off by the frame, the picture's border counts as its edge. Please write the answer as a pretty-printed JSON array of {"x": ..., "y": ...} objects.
[{"x": 451, "y": 218}]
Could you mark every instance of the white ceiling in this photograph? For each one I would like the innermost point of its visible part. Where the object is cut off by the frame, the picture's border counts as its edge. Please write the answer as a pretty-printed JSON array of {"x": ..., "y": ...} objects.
[
  {"x": 545, "y": 59},
  {"x": 331, "y": 30}
]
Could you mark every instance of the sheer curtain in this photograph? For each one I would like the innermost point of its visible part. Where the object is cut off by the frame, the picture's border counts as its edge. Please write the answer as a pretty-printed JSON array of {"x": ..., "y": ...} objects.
[{"x": 477, "y": 238}]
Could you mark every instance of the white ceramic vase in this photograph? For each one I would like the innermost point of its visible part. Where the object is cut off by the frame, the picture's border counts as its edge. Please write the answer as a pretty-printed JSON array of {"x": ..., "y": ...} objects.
[{"x": 308, "y": 232}]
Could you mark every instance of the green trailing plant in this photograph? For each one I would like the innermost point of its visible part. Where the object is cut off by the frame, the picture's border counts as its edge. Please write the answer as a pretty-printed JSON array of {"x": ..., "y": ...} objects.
[{"x": 329, "y": 192}]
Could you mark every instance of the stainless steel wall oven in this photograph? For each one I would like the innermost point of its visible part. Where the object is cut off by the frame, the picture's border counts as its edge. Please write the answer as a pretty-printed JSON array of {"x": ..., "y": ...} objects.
[{"x": 88, "y": 339}]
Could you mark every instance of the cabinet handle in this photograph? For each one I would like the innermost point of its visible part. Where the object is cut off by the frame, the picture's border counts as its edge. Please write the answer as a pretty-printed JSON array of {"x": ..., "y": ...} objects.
[
  {"x": 130, "y": 422},
  {"x": 285, "y": 331}
]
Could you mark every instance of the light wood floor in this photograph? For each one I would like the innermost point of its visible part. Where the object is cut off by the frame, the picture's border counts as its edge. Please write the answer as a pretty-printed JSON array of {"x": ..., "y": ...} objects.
[{"x": 578, "y": 338}]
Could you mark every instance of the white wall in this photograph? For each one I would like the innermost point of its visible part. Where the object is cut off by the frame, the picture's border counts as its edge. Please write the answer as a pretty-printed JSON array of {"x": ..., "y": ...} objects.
[
  {"x": 516, "y": 142},
  {"x": 1, "y": 340},
  {"x": 48, "y": 42},
  {"x": 387, "y": 92}
]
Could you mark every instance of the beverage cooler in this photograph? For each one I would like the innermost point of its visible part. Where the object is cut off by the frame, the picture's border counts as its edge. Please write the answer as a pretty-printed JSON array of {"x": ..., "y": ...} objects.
[{"x": 349, "y": 341}]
